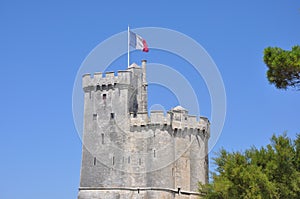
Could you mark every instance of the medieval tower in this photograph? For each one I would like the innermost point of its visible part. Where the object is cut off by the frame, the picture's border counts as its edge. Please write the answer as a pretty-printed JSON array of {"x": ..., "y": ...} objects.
[{"x": 129, "y": 153}]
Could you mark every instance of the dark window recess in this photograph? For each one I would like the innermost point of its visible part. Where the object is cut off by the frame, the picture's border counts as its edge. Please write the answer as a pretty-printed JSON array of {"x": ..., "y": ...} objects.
[
  {"x": 175, "y": 130},
  {"x": 113, "y": 160},
  {"x": 110, "y": 86},
  {"x": 98, "y": 88},
  {"x": 95, "y": 161},
  {"x": 104, "y": 87},
  {"x": 102, "y": 138},
  {"x": 112, "y": 115},
  {"x": 154, "y": 154},
  {"x": 172, "y": 171},
  {"x": 140, "y": 161},
  {"x": 104, "y": 96},
  {"x": 128, "y": 159},
  {"x": 95, "y": 116}
]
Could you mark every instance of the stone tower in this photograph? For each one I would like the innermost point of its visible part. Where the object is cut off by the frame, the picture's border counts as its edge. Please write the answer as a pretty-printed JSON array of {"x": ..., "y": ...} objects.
[{"x": 128, "y": 154}]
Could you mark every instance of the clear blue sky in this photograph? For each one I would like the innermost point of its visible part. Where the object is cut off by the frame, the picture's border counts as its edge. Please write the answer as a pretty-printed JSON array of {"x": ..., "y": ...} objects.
[{"x": 43, "y": 43}]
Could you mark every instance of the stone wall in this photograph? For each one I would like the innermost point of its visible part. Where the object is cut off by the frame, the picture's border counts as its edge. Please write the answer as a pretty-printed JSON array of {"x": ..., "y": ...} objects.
[{"x": 123, "y": 147}]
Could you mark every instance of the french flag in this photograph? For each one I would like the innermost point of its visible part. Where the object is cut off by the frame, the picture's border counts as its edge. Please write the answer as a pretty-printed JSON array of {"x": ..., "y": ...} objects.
[{"x": 137, "y": 42}]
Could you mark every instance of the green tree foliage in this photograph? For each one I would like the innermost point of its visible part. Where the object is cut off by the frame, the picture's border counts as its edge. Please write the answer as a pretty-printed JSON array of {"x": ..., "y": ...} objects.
[
  {"x": 270, "y": 172},
  {"x": 283, "y": 67}
]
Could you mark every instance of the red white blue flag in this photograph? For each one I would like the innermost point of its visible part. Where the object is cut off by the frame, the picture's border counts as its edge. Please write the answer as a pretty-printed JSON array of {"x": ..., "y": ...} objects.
[{"x": 137, "y": 42}]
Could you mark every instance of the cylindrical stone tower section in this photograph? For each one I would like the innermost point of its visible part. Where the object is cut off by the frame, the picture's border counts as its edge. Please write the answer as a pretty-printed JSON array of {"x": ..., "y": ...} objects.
[
  {"x": 160, "y": 165},
  {"x": 198, "y": 154}
]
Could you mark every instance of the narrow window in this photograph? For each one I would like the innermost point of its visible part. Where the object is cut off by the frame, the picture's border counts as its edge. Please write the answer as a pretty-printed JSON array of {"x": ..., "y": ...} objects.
[
  {"x": 113, "y": 160},
  {"x": 175, "y": 131},
  {"x": 98, "y": 88},
  {"x": 154, "y": 153},
  {"x": 95, "y": 116},
  {"x": 172, "y": 171},
  {"x": 104, "y": 96},
  {"x": 95, "y": 161},
  {"x": 112, "y": 116},
  {"x": 128, "y": 159},
  {"x": 140, "y": 161},
  {"x": 102, "y": 138}
]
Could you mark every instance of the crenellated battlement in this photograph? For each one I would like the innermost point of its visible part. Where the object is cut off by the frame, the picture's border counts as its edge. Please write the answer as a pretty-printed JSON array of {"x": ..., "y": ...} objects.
[
  {"x": 108, "y": 78},
  {"x": 176, "y": 118}
]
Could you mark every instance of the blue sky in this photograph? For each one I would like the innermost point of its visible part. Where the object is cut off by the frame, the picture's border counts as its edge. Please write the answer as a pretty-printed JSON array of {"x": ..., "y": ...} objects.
[{"x": 43, "y": 44}]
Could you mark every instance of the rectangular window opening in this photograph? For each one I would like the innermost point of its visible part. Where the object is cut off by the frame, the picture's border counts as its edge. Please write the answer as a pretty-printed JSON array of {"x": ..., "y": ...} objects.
[
  {"x": 128, "y": 159},
  {"x": 98, "y": 88},
  {"x": 95, "y": 161},
  {"x": 113, "y": 160},
  {"x": 95, "y": 116},
  {"x": 112, "y": 115},
  {"x": 102, "y": 138},
  {"x": 154, "y": 153},
  {"x": 140, "y": 161},
  {"x": 104, "y": 96}
]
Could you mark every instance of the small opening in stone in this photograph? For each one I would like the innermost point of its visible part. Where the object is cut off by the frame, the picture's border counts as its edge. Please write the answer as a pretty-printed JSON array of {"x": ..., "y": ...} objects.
[
  {"x": 98, "y": 88},
  {"x": 95, "y": 116}
]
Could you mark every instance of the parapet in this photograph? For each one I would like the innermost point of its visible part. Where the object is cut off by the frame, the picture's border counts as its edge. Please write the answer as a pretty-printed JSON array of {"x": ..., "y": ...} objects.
[
  {"x": 108, "y": 78},
  {"x": 158, "y": 117},
  {"x": 176, "y": 118}
]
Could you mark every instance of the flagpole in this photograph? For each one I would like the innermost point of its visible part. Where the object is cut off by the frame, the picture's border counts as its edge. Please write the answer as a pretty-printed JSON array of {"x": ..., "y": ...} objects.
[{"x": 128, "y": 44}]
